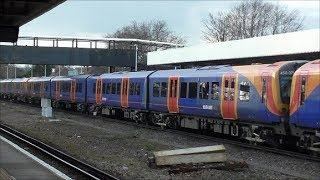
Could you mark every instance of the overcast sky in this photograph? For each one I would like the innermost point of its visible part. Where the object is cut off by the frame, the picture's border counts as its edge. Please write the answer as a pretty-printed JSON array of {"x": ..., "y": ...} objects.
[{"x": 96, "y": 18}]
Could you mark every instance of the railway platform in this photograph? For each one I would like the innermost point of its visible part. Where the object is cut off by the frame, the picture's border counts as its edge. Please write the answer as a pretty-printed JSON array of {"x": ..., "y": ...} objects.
[{"x": 16, "y": 163}]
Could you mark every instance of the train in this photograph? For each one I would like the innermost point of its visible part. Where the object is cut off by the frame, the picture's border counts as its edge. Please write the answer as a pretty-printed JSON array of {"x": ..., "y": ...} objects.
[{"x": 277, "y": 104}]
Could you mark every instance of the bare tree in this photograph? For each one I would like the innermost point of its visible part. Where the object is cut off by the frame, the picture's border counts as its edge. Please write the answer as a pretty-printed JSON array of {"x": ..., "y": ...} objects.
[
  {"x": 154, "y": 30},
  {"x": 251, "y": 19}
]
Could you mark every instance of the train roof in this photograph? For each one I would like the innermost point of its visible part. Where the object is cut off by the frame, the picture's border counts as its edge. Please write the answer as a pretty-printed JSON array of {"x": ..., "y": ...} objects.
[
  {"x": 38, "y": 79},
  {"x": 20, "y": 80},
  {"x": 64, "y": 78},
  {"x": 221, "y": 69},
  {"x": 5, "y": 80},
  {"x": 138, "y": 74},
  {"x": 195, "y": 72},
  {"x": 311, "y": 67}
]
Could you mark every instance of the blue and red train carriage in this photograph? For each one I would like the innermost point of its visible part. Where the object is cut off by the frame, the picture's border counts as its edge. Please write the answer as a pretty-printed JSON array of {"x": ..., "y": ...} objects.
[{"x": 262, "y": 102}]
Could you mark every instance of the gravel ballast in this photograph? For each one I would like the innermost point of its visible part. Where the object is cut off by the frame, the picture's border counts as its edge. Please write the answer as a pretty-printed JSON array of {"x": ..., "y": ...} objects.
[{"x": 123, "y": 149}]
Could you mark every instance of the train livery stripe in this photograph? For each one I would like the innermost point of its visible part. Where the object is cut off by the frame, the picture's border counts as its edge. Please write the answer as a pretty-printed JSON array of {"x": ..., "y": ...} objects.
[
  {"x": 173, "y": 94},
  {"x": 236, "y": 91},
  {"x": 222, "y": 96},
  {"x": 273, "y": 94},
  {"x": 295, "y": 95},
  {"x": 124, "y": 92},
  {"x": 41, "y": 89},
  {"x": 99, "y": 91},
  {"x": 73, "y": 90},
  {"x": 57, "y": 90}
]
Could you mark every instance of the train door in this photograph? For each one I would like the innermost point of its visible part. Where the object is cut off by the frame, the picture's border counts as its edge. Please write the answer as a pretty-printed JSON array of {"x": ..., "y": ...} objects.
[
  {"x": 73, "y": 90},
  {"x": 57, "y": 90},
  {"x": 124, "y": 92},
  {"x": 172, "y": 98},
  {"x": 41, "y": 89},
  {"x": 303, "y": 76},
  {"x": 229, "y": 91},
  {"x": 99, "y": 91}
]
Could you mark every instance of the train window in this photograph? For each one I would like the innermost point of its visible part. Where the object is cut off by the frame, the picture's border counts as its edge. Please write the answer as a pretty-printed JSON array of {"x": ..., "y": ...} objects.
[
  {"x": 170, "y": 88},
  {"x": 65, "y": 87},
  {"x": 79, "y": 87},
  {"x": 193, "y": 91},
  {"x": 108, "y": 88},
  {"x": 36, "y": 86},
  {"x": 226, "y": 89},
  {"x": 94, "y": 88},
  {"x": 113, "y": 88},
  {"x": 137, "y": 89},
  {"x": 215, "y": 90},
  {"x": 68, "y": 86},
  {"x": 174, "y": 88},
  {"x": 164, "y": 88},
  {"x": 244, "y": 91},
  {"x": 104, "y": 86},
  {"x": 156, "y": 88},
  {"x": 60, "y": 87},
  {"x": 232, "y": 90},
  {"x": 204, "y": 90},
  {"x": 131, "y": 88},
  {"x": 303, "y": 91},
  {"x": 118, "y": 88},
  {"x": 46, "y": 86},
  {"x": 183, "y": 90},
  {"x": 264, "y": 90}
]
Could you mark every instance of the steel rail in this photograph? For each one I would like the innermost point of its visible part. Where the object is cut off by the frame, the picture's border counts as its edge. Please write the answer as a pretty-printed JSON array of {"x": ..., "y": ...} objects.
[{"x": 82, "y": 168}]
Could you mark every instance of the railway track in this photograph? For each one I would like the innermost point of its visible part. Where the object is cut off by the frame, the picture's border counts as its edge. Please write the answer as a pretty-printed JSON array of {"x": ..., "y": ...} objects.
[
  {"x": 201, "y": 136},
  {"x": 224, "y": 141},
  {"x": 84, "y": 170},
  {"x": 206, "y": 137}
]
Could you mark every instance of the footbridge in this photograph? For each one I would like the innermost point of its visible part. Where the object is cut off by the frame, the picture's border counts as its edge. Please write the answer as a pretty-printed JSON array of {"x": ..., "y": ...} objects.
[{"x": 113, "y": 52}]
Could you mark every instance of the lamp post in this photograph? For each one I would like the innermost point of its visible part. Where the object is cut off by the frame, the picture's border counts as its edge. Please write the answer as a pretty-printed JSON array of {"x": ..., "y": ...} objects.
[
  {"x": 7, "y": 71},
  {"x": 136, "y": 60}
]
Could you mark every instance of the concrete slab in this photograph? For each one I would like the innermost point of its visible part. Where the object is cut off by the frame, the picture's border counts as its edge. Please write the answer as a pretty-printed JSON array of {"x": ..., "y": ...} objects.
[
  {"x": 45, "y": 102},
  {"x": 207, "y": 154},
  {"x": 46, "y": 111}
]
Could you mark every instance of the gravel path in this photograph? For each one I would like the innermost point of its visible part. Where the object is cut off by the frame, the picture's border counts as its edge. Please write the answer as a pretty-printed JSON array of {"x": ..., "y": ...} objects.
[{"x": 123, "y": 150}]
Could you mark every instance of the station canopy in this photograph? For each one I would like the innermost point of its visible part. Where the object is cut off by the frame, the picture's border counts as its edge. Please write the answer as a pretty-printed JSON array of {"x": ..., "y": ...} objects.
[
  {"x": 264, "y": 49},
  {"x": 15, "y": 13}
]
